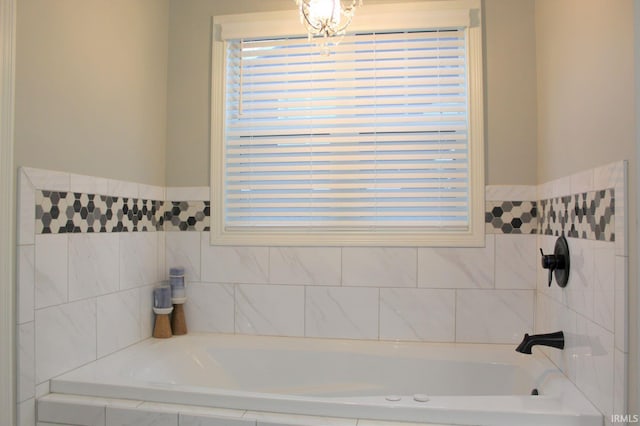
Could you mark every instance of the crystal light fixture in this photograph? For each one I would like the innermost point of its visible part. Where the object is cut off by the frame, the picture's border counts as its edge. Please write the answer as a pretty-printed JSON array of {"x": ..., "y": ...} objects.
[{"x": 326, "y": 18}]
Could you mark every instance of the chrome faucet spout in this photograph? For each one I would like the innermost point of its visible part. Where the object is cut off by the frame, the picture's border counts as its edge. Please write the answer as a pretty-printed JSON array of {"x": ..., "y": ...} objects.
[{"x": 554, "y": 340}]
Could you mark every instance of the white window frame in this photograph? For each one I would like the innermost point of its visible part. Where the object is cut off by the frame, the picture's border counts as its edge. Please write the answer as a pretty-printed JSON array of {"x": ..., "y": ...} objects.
[{"x": 421, "y": 15}]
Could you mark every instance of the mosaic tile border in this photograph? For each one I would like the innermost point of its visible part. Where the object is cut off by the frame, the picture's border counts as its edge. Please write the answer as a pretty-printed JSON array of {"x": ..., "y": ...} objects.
[
  {"x": 59, "y": 212},
  {"x": 187, "y": 216},
  {"x": 588, "y": 215},
  {"x": 511, "y": 217}
]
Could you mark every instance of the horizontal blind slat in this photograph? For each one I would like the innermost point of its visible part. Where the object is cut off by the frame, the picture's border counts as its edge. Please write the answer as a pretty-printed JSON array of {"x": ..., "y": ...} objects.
[
  {"x": 373, "y": 135},
  {"x": 424, "y": 139},
  {"x": 371, "y": 129},
  {"x": 283, "y": 103},
  {"x": 285, "y": 148}
]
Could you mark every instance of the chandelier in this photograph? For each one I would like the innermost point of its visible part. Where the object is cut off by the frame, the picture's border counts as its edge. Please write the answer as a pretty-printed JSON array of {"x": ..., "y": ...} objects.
[{"x": 326, "y": 18}]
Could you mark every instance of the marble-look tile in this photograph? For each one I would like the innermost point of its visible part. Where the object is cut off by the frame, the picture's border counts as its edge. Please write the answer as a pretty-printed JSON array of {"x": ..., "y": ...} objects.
[
  {"x": 121, "y": 188},
  {"x": 65, "y": 338},
  {"x": 26, "y": 217},
  {"x": 604, "y": 284},
  {"x": 245, "y": 265},
  {"x": 621, "y": 194},
  {"x": 121, "y": 403},
  {"x": 493, "y": 316},
  {"x": 614, "y": 175},
  {"x": 305, "y": 265},
  {"x": 379, "y": 266},
  {"x": 118, "y": 321},
  {"x": 595, "y": 364},
  {"x": 72, "y": 410},
  {"x": 211, "y": 420},
  {"x": 26, "y": 361},
  {"x": 510, "y": 193},
  {"x": 620, "y": 382},
  {"x": 47, "y": 179},
  {"x": 544, "y": 191},
  {"x": 88, "y": 184},
  {"x": 198, "y": 415},
  {"x": 51, "y": 270},
  {"x": 364, "y": 422},
  {"x": 161, "y": 254},
  {"x": 580, "y": 287},
  {"x": 26, "y": 415},
  {"x": 210, "y": 307},
  {"x": 138, "y": 254},
  {"x": 118, "y": 416},
  {"x": 269, "y": 310},
  {"x": 582, "y": 182},
  {"x": 93, "y": 265},
  {"x": 265, "y": 418},
  {"x": 558, "y": 187},
  {"x": 417, "y": 314},
  {"x": 609, "y": 175},
  {"x": 552, "y": 316},
  {"x": 151, "y": 192},
  {"x": 341, "y": 312},
  {"x": 457, "y": 267},
  {"x": 26, "y": 276},
  {"x": 145, "y": 295},
  {"x": 188, "y": 193},
  {"x": 43, "y": 389},
  {"x": 621, "y": 303},
  {"x": 516, "y": 261},
  {"x": 183, "y": 249}
]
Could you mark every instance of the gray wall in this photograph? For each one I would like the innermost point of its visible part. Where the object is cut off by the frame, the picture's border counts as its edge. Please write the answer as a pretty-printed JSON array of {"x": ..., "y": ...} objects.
[
  {"x": 510, "y": 92},
  {"x": 121, "y": 89},
  {"x": 510, "y": 88},
  {"x": 91, "y": 80}
]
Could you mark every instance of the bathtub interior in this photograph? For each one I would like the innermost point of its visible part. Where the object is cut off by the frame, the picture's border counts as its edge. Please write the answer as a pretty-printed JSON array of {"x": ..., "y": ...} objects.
[
  {"x": 304, "y": 367},
  {"x": 284, "y": 372}
]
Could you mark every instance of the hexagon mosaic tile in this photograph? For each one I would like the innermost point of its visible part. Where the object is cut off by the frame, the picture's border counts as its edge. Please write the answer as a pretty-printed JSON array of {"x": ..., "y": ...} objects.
[
  {"x": 187, "y": 216},
  {"x": 588, "y": 215},
  {"x": 511, "y": 217},
  {"x": 72, "y": 212}
]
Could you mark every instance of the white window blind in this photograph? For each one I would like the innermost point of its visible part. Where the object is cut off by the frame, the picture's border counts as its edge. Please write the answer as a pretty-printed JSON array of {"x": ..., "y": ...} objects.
[{"x": 371, "y": 138}]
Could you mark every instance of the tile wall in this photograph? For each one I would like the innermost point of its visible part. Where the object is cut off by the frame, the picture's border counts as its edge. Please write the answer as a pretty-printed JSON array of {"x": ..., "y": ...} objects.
[
  {"x": 424, "y": 294},
  {"x": 93, "y": 248},
  {"x": 590, "y": 209},
  {"x": 85, "y": 274}
]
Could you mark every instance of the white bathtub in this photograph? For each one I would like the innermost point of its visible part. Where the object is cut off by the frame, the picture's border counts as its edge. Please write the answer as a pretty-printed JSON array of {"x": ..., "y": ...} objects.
[{"x": 465, "y": 384}]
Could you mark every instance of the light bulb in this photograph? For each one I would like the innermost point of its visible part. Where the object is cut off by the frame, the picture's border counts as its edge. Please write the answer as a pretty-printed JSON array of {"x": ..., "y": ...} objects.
[{"x": 324, "y": 12}]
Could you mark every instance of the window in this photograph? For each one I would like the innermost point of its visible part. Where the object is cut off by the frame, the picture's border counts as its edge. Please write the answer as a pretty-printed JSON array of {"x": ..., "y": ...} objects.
[{"x": 377, "y": 143}]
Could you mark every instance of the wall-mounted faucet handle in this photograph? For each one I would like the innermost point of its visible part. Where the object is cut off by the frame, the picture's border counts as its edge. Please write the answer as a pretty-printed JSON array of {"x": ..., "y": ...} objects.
[
  {"x": 558, "y": 262},
  {"x": 552, "y": 262}
]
